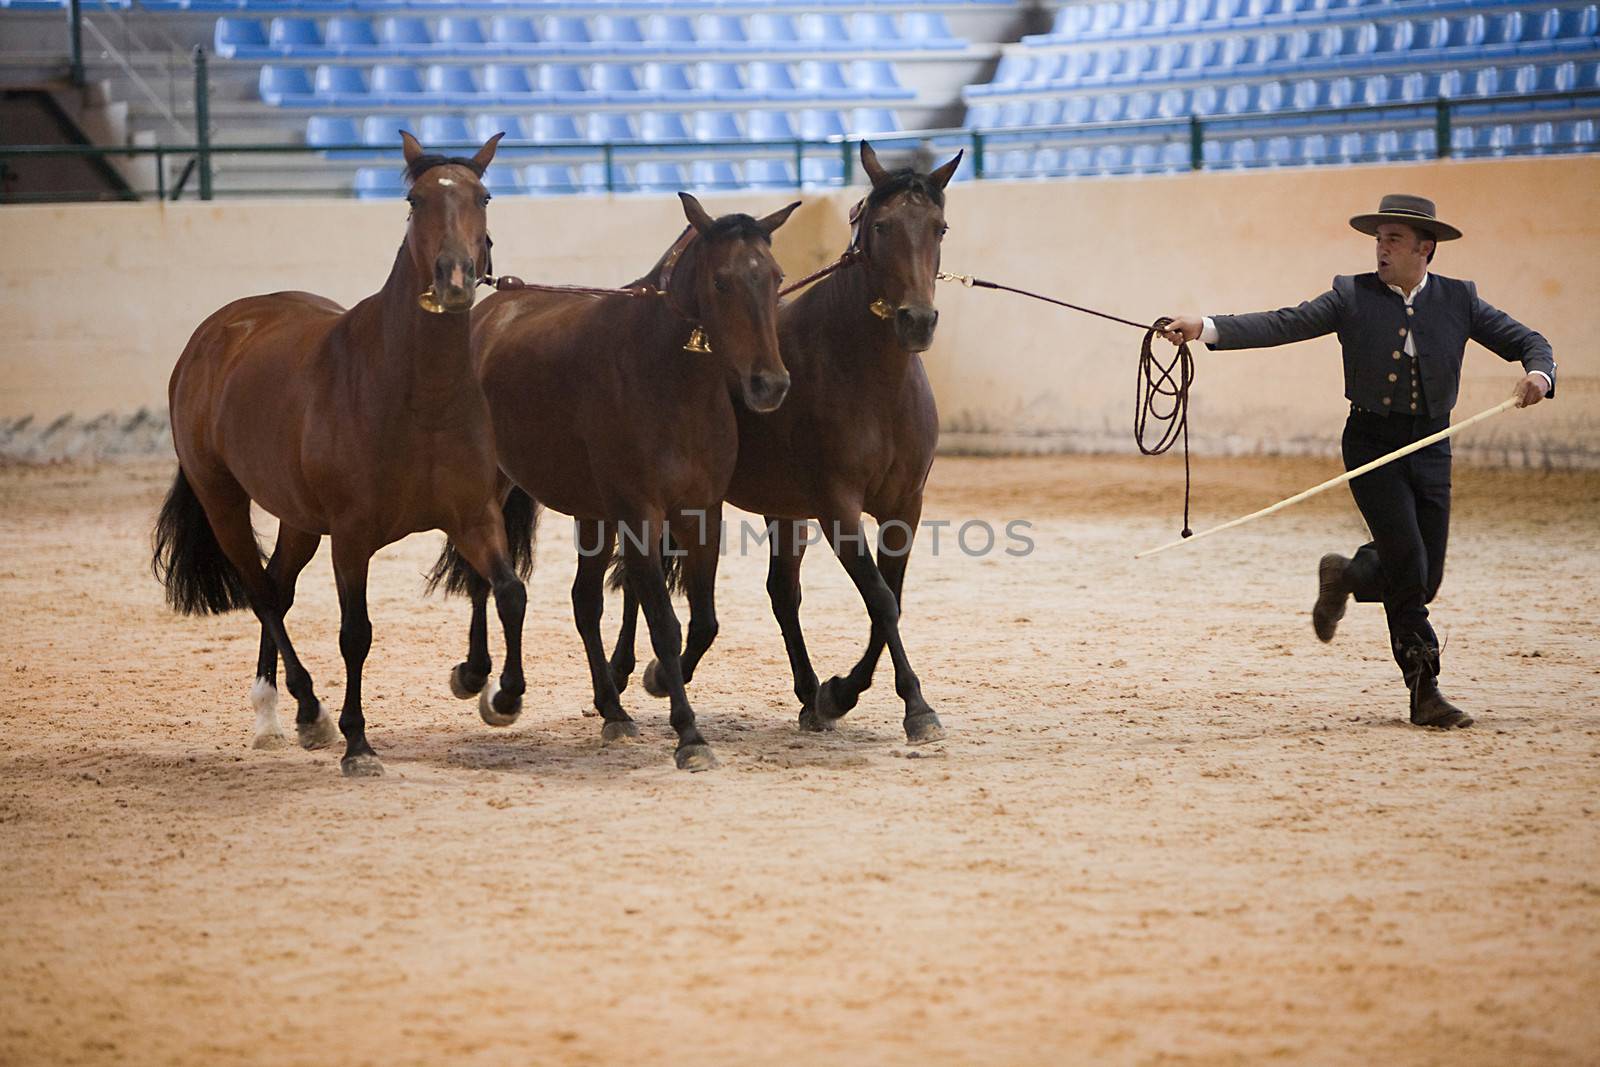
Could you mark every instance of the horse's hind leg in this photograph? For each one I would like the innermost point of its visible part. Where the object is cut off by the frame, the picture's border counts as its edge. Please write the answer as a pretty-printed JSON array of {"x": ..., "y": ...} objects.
[
  {"x": 292, "y": 552},
  {"x": 227, "y": 509},
  {"x": 700, "y": 552},
  {"x": 896, "y": 533},
  {"x": 469, "y": 676},
  {"x": 783, "y": 590},
  {"x": 355, "y": 641},
  {"x": 588, "y": 606},
  {"x": 622, "y": 656}
]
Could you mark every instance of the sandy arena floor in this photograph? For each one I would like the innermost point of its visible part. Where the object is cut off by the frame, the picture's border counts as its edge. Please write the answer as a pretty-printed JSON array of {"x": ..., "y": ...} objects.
[{"x": 1168, "y": 826}]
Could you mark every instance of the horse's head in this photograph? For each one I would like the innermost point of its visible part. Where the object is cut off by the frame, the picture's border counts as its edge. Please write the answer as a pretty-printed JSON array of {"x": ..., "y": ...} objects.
[
  {"x": 901, "y": 228},
  {"x": 447, "y": 235},
  {"x": 734, "y": 281}
]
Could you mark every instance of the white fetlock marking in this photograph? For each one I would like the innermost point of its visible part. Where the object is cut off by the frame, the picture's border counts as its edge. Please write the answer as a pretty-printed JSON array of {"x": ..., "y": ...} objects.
[
  {"x": 486, "y": 708},
  {"x": 264, "y": 699}
]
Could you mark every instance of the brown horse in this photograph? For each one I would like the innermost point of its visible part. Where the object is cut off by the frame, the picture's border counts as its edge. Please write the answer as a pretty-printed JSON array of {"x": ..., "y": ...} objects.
[
  {"x": 366, "y": 425},
  {"x": 609, "y": 409},
  {"x": 857, "y": 434}
]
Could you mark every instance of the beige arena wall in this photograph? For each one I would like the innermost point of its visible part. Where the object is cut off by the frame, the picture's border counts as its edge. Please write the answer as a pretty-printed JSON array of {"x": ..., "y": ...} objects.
[{"x": 96, "y": 301}]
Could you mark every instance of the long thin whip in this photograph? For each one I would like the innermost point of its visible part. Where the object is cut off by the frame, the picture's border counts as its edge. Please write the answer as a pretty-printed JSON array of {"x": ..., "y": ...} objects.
[{"x": 1341, "y": 479}]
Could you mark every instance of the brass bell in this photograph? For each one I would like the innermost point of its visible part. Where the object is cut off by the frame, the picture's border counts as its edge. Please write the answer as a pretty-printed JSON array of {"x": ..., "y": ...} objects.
[
  {"x": 430, "y": 302},
  {"x": 880, "y": 307},
  {"x": 697, "y": 342}
]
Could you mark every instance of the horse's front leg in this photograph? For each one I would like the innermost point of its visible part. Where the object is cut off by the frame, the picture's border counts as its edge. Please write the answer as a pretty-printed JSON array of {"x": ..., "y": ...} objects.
[
  {"x": 484, "y": 547},
  {"x": 588, "y": 608},
  {"x": 701, "y": 543},
  {"x": 848, "y": 541},
  {"x": 896, "y": 533},
  {"x": 350, "y": 560},
  {"x": 468, "y": 677},
  {"x": 290, "y": 555}
]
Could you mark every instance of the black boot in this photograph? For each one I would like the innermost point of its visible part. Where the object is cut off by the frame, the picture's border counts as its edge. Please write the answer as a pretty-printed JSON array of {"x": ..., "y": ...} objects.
[
  {"x": 1429, "y": 706},
  {"x": 1333, "y": 592}
]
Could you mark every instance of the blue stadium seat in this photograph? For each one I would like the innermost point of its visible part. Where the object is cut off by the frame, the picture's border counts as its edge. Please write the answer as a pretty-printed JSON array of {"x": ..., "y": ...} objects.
[
  {"x": 383, "y": 131},
  {"x": 1044, "y": 113},
  {"x": 1107, "y": 107},
  {"x": 712, "y": 174},
  {"x": 592, "y": 177},
  {"x": 1013, "y": 69},
  {"x": 1395, "y": 36},
  {"x": 1144, "y": 159},
  {"x": 513, "y": 33},
  {"x": 619, "y": 33},
  {"x": 1142, "y": 60},
  {"x": 236, "y": 38},
  {"x": 1575, "y": 136},
  {"x": 445, "y": 131},
  {"x": 669, "y": 31},
  {"x": 284, "y": 86},
  {"x": 876, "y": 77},
  {"x": 823, "y": 172},
  {"x": 449, "y": 85},
  {"x": 1140, "y": 106},
  {"x": 1419, "y": 144},
  {"x": 325, "y": 130},
  {"x": 508, "y": 84},
  {"x": 1374, "y": 89},
  {"x": 716, "y": 126},
  {"x": 775, "y": 32},
  {"x": 379, "y": 183},
  {"x": 1079, "y": 159},
  {"x": 1502, "y": 140},
  {"x": 1347, "y": 149},
  {"x": 1174, "y": 157},
  {"x": 1174, "y": 55},
  {"x": 772, "y": 81},
  {"x": 1047, "y": 163},
  {"x": 1464, "y": 141},
  {"x": 1239, "y": 100},
  {"x": 826, "y": 32},
  {"x": 614, "y": 81},
  {"x": 873, "y": 121},
  {"x": 670, "y": 81},
  {"x": 770, "y": 126},
  {"x": 1013, "y": 163},
  {"x": 1553, "y": 78},
  {"x": 1278, "y": 151},
  {"x": 1071, "y": 22},
  {"x": 486, "y": 125},
  {"x": 1431, "y": 34},
  {"x": 547, "y": 128},
  {"x": 657, "y": 177},
  {"x": 503, "y": 181},
  {"x": 1206, "y": 100},
  {"x": 656, "y": 127},
  {"x": 1273, "y": 96},
  {"x": 348, "y": 35},
  {"x": 929, "y": 29},
  {"x": 393, "y": 83},
  {"x": 566, "y": 33},
  {"x": 724, "y": 32},
  {"x": 824, "y": 79},
  {"x": 980, "y": 116},
  {"x": 1467, "y": 31},
  {"x": 720, "y": 81},
  {"x": 1540, "y": 138},
  {"x": 1313, "y": 148},
  {"x": 563, "y": 83},
  {"x": 404, "y": 34},
  {"x": 819, "y": 125},
  {"x": 1241, "y": 153},
  {"x": 875, "y": 29},
  {"x": 458, "y": 34},
  {"x": 770, "y": 174},
  {"x": 1173, "y": 103},
  {"x": 1578, "y": 28},
  {"x": 1111, "y": 159},
  {"x": 613, "y": 126},
  {"x": 1014, "y": 113},
  {"x": 548, "y": 179},
  {"x": 344, "y": 86}
]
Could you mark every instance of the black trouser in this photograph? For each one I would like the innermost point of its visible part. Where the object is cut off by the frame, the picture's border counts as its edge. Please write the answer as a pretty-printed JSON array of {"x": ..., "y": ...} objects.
[{"x": 1407, "y": 507}]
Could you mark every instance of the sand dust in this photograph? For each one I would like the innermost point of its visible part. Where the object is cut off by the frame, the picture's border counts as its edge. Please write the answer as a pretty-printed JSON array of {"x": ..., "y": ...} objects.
[{"x": 1168, "y": 826}]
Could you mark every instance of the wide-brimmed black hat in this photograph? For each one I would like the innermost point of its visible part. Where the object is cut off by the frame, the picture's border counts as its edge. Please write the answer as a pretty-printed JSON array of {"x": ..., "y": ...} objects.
[{"x": 1411, "y": 210}]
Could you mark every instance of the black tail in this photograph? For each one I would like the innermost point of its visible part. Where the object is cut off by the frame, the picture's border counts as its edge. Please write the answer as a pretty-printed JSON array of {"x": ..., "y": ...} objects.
[
  {"x": 671, "y": 563},
  {"x": 189, "y": 561},
  {"x": 455, "y": 574}
]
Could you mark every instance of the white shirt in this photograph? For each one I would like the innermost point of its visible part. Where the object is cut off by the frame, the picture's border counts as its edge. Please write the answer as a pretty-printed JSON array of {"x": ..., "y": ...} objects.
[{"x": 1208, "y": 328}]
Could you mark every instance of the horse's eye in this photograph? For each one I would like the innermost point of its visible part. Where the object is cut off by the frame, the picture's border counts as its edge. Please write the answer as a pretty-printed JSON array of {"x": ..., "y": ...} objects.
[
  {"x": 943, "y": 230},
  {"x": 721, "y": 286},
  {"x": 880, "y": 228}
]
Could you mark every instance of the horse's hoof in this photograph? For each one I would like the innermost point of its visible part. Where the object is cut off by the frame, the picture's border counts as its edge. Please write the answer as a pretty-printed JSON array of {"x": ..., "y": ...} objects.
[
  {"x": 922, "y": 728},
  {"x": 363, "y": 765},
  {"x": 812, "y": 723},
  {"x": 830, "y": 703},
  {"x": 618, "y": 730},
  {"x": 652, "y": 681},
  {"x": 464, "y": 685},
  {"x": 319, "y": 732},
  {"x": 270, "y": 742},
  {"x": 696, "y": 758},
  {"x": 496, "y": 708}
]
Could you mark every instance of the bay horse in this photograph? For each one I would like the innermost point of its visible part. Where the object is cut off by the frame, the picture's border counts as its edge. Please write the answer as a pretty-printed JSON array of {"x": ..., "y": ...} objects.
[
  {"x": 617, "y": 409},
  {"x": 857, "y": 434},
  {"x": 365, "y": 425}
]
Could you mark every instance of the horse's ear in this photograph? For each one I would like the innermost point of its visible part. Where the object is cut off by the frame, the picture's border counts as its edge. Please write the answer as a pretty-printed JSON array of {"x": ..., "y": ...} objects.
[
  {"x": 486, "y": 153},
  {"x": 942, "y": 176},
  {"x": 410, "y": 146},
  {"x": 870, "y": 164},
  {"x": 697, "y": 216},
  {"x": 777, "y": 218}
]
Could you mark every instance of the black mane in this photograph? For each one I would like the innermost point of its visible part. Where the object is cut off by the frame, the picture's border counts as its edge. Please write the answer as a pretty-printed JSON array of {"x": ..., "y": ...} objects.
[
  {"x": 906, "y": 180},
  {"x": 737, "y": 226},
  {"x": 422, "y": 164}
]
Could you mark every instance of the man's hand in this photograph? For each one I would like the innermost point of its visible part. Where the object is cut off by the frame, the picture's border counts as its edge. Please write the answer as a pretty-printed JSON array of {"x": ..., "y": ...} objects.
[
  {"x": 1183, "y": 328},
  {"x": 1530, "y": 390}
]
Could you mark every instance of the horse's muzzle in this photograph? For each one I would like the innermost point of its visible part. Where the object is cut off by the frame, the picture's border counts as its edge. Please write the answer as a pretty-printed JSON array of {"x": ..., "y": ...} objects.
[
  {"x": 455, "y": 285},
  {"x": 914, "y": 327},
  {"x": 764, "y": 392}
]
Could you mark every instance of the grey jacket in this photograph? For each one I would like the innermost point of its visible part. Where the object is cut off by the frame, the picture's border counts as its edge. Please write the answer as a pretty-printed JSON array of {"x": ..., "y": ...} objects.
[{"x": 1371, "y": 320}]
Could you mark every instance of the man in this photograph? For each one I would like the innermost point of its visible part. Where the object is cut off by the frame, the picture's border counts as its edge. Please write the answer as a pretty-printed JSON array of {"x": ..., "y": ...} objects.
[{"x": 1403, "y": 332}]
